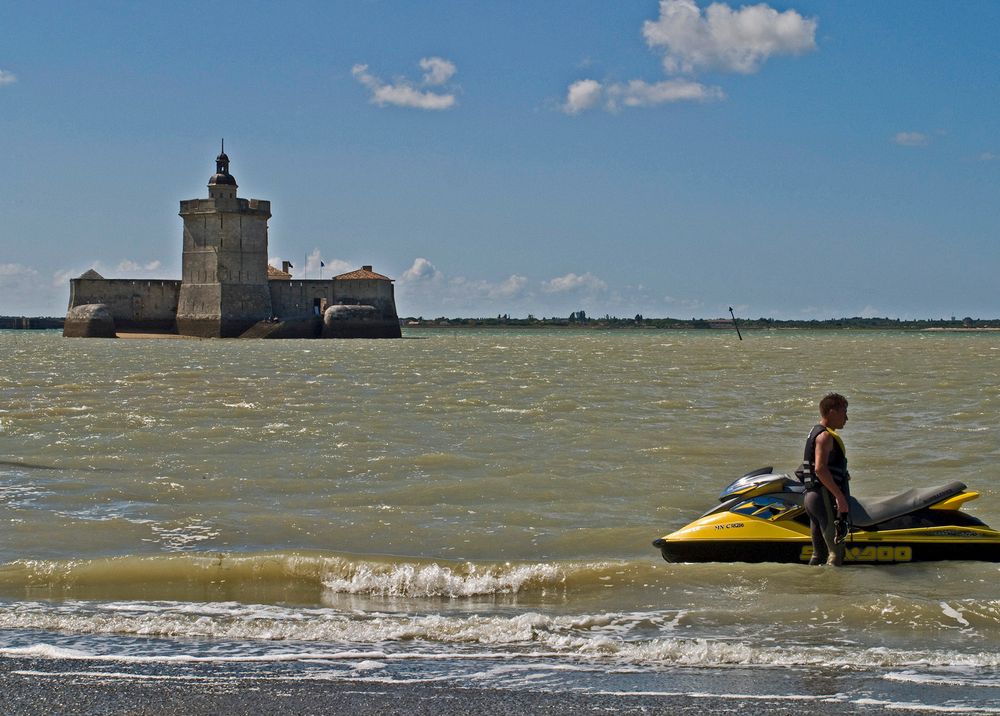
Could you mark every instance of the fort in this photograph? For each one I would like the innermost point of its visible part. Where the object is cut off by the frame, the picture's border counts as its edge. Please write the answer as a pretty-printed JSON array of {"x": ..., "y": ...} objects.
[{"x": 227, "y": 288}]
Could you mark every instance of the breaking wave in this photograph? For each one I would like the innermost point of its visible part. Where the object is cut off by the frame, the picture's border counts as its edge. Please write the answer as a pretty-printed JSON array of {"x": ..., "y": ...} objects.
[
  {"x": 617, "y": 638},
  {"x": 435, "y": 580},
  {"x": 337, "y": 574}
]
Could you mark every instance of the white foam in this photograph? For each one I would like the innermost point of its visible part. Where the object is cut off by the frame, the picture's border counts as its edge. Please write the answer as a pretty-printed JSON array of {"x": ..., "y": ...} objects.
[
  {"x": 614, "y": 639},
  {"x": 709, "y": 695},
  {"x": 186, "y": 536},
  {"x": 44, "y": 651},
  {"x": 369, "y": 665},
  {"x": 915, "y": 706},
  {"x": 433, "y": 580},
  {"x": 124, "y": 675},
  {"x": 949, "y": 611},
  {"x": 951, "y": 679}
]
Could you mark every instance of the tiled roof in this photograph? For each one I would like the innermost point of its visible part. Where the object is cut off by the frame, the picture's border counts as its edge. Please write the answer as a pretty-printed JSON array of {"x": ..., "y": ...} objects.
[
  {"x": 361, "y": 273},
  {"x": 91, "y": 273},
  {"x": 277, "y": 273}
]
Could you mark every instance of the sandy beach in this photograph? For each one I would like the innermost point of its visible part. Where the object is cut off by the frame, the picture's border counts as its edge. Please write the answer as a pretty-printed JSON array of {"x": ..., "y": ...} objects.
[
  {"x": 136, "y": 335},
  {"x": 42, "y": 687}
]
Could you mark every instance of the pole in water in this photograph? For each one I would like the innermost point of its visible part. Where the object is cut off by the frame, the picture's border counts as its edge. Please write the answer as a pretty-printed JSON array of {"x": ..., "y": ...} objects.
[{"x": 735, "y": 324}]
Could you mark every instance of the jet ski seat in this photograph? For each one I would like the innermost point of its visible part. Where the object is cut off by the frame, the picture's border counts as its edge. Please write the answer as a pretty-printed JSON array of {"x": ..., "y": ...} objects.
[{"x": 865, "y": 513}]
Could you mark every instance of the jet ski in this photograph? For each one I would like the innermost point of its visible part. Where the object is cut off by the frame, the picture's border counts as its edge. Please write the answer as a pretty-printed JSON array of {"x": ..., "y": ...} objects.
[{"x": 761, "y": 518}]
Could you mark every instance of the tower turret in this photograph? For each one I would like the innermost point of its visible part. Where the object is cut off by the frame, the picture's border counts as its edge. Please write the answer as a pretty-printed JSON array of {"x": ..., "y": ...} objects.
[
  {"x": 222, "y": 184},
  {"x": 222, "y": 178},
  {"x": 224, "y": 286}
]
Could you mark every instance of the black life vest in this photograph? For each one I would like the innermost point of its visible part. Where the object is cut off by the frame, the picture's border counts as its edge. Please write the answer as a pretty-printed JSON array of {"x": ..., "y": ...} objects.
[{"x": 836, "y": 462}]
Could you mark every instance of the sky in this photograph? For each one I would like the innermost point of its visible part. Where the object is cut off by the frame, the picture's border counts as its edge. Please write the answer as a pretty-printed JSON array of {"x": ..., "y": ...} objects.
[{"x": 792, "y": 160}]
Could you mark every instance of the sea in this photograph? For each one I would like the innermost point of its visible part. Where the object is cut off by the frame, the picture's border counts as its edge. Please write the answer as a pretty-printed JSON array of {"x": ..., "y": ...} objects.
[{"x": 475, "y": 508}]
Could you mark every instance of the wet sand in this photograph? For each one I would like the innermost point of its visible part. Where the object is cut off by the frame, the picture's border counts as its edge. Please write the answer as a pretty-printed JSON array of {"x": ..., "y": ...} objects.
[
  {"x": 31, "y": 687},
  {"x": 150, "y": 334}
]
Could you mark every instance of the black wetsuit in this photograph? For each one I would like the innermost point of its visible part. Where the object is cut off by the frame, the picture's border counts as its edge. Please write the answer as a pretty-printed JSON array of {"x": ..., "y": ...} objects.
[{"x": 818, "y": 502}]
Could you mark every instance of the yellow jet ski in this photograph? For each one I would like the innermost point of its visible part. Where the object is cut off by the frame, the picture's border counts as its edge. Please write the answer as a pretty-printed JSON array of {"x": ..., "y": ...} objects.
[{"x": 761, "y": 519}]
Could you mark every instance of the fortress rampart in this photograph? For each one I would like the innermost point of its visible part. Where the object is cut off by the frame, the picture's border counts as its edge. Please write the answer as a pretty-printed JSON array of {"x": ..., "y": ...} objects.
[
  {"x": 227, "y": 288},
  {"x": 372, "y": 292},
  {"x": 135, "y": 304},
  {"x": 301, "y": 298}
]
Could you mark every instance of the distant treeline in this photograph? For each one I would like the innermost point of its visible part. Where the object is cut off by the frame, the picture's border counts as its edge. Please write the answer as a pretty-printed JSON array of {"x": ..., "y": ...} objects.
[
  {"x": 579, "y": 319},
  {"x": 29, "y": 322}
]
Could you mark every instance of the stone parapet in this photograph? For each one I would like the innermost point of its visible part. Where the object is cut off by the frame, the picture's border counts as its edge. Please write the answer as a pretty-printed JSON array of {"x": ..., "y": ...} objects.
[{"x": 257, "y": 207}]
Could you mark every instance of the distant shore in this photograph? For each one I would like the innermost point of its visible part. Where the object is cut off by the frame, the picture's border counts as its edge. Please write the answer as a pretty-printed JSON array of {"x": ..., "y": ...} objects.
[
  {"x": 581, "y": 322},
  {"x": 760, "y": 324}
]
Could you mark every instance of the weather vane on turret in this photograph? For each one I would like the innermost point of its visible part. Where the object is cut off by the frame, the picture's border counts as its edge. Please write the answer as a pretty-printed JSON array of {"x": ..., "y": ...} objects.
[{"x": 222, "y": 175}]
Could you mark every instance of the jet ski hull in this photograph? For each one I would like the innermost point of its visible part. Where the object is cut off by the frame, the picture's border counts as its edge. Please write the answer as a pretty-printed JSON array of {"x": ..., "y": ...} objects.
[
  {"x": 761, "y": 519},
  {"x": 857, "y": 551}
]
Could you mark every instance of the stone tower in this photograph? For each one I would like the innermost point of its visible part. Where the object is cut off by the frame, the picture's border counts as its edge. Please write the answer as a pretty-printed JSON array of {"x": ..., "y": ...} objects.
[{"x": 224, "y": 287}]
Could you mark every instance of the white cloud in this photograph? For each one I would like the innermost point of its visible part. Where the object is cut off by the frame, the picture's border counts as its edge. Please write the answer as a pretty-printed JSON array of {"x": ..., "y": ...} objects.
[
  {"x": 720, "y": 39},
  {"x": 911, "y": 139},
  {"x": 438, "y": 70},
  {"x": 7, "y": 78},
  {"x": 583, "y": 95},
  {"x": 574, "y": 282},
  {"x": 512, "y": 286},
  {"x": 331, "y": 267},
  {"x": 587, "y": 94},
  {"x": 8, "y": 270},
  {"x": 128, "y": 266},
  {"x": 725, "y": 39},
  {"x": 638, "y": 93},
  {"x": 421, "y": 271},
  {"x": 61, "y": 277},
  {"x": 311, "y": 268},
  {"x": 685, "y": 303},
  {"x": 509, "y": 288},
  {"x": 23, "y": 292},
  {"x": 335, "y": 267},
  {"x": 988, "y": 157},
  {"x": 402, "y": 92},
  {"x": 423, "y": 289}
]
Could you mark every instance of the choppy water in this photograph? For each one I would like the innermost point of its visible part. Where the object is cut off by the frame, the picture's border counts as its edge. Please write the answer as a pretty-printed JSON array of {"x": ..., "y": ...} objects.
[{"x": 477, "y": 508}]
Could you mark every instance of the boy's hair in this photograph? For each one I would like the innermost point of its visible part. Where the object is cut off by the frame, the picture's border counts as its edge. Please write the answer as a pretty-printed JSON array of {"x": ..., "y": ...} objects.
[{"x": 833, "y": 401}]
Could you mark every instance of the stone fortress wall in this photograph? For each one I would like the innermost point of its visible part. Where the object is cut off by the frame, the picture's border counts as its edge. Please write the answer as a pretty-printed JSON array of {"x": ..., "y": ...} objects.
[
  {"x": 151, "y": 305},
  {"x": 311, "y": 297},
  {"x": 227, "y": 288},
  {"x": 377, "y": 293},
  {"x": 301, "y": 298},
  {"x": 135, "y": 304}
]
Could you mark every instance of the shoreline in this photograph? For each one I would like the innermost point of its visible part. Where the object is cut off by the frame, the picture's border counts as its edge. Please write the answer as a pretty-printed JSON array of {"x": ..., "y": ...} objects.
[
  {"x": 139, "y": 335},
  {"x": 40, "y": 687},
  {"x": 623, "y": 325}
]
